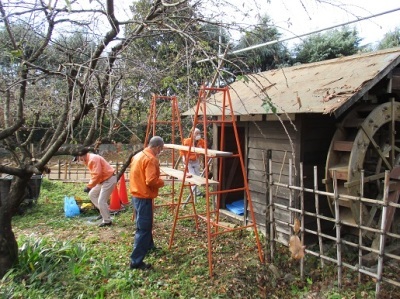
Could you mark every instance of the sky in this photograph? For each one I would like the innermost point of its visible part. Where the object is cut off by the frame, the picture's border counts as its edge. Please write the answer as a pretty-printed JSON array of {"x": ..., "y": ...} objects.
[{"x": 295, "y": 17}]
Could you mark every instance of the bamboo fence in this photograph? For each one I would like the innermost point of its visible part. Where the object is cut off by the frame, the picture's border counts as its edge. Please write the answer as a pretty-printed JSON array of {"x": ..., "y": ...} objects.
[{"x": 386, "y": 252}]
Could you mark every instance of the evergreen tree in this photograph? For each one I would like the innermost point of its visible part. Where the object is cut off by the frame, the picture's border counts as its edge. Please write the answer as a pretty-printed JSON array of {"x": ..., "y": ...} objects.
[
  {"x": 264, "y": 58},
  {"x": 390, "y": 40},
  {"x": 332, "y": 44}
]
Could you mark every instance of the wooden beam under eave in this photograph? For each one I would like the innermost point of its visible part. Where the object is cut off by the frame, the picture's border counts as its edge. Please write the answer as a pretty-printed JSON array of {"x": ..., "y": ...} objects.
[
  {"x": 254, "y": 117},
  {"x": 283, "y": 117}
]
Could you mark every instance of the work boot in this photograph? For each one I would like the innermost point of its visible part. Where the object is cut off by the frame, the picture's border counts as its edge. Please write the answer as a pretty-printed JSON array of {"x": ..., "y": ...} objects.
[{"x": 141, "y": 266}]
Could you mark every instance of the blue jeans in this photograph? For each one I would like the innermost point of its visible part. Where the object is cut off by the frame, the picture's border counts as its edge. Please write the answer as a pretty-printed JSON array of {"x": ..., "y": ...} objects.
[{"x": 144, "y": 225}]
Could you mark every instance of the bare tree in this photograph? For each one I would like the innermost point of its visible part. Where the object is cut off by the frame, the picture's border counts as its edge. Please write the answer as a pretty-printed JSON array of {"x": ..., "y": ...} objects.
[{"x": 59, "y": 74}]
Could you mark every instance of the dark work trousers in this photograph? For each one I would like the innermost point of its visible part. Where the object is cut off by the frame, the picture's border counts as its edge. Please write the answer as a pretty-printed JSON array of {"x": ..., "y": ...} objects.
[{"x": 144, "y": 225}]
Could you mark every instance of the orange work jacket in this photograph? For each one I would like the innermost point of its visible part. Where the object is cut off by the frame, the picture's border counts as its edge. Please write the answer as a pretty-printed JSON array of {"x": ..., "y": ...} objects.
[
  {"x": 144, "y": 175},
  {"x": 197, "y": 143},
  {"x": 100, "y": 170}
]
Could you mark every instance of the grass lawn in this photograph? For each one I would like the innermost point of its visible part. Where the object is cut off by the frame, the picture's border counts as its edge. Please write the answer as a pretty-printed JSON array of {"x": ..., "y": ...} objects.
[{"x": 64, "y": 257}]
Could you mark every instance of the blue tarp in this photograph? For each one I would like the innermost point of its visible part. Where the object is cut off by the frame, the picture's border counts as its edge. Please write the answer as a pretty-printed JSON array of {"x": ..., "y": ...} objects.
[{"x": 236, "y": 207}]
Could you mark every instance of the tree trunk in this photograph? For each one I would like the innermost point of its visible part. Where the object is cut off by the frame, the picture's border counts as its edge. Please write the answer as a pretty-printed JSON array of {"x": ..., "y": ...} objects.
[
  {"x": 9, "y": 202},
  {"x": 8, "y": 247}
]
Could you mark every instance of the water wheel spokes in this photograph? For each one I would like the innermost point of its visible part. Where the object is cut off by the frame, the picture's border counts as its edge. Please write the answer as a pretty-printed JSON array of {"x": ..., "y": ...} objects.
[{"x": 364, "y": 141}]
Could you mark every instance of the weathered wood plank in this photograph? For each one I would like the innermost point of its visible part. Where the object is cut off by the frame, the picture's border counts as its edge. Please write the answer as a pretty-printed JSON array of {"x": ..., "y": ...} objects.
[
  {"x": 276, "y": 191},
  {"x": 342, "y": 146},
  {"x": 282, "y": 215},
  {"x": 281, "y": 192},
  {"x": 277, "y": 168},
  {"x": 282, "y": 234},
  {"x": 210, "y": 152},
  {"x": 193, "y": 179},
  {"x": 260, "y": 198},
  {"x": 272, "y": 144},
  {"x": 272, "y": 130},
  {"x": 342, "y": 172},
  {"x": 255, "y": 175},
  {"x": 255, "y": 165},
  {"x": 260, "y": 187},
  {"x": 259, "y": 208},
  {"x": 260, "y": 220},
  {"x": 279, "y": 198},
  {"x": 260, "y": 154}
]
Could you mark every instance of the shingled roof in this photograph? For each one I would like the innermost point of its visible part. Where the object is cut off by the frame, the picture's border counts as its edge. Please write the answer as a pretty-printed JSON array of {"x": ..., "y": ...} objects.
[{"x": 329, "y": 86}]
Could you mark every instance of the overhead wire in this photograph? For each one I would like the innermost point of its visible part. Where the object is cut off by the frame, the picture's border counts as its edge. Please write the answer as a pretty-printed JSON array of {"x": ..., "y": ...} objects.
[{"x": 299, "y": 36}]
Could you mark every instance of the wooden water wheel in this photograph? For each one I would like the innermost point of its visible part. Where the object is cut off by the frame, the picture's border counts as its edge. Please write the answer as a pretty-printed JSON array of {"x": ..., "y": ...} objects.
[{"x": 365, "y": 140}]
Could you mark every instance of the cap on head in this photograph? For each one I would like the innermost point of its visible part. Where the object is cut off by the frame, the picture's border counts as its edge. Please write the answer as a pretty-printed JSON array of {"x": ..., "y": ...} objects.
[
  {"x": 197, "y": 130},
  {"x": 80, "y": 153}
]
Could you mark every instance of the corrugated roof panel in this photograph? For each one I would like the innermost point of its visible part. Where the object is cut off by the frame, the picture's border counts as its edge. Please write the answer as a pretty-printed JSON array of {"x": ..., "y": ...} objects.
[{"x": 320, "y": 87}]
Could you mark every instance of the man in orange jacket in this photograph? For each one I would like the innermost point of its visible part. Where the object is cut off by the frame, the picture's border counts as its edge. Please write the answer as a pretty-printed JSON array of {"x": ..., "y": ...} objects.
[
  {"x": 144, "y": 183},
  {"x": 193, "y": 158},
  {"x": 101, "y": 184}
]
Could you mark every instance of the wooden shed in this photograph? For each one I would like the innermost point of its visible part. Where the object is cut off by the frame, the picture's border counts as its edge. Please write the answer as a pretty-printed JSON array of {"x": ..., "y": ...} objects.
[{"x": 316, "y": 114}]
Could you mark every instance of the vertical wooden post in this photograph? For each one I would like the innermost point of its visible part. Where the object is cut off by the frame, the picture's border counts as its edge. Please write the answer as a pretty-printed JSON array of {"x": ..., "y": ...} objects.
[
  {"x": 59, "y": 169},
  {"x": 266, "y": 157},
  {"x": 321, "y": 247},
  {"x": 360, "y": 231},
  {"x": 302, "y": 218},
  {"x": 337, "y": 224},
  {"x": 69, "y": 169},
  {"x": 66, "y": 169},
  {"x": 291, "y": 192},
  {"x": 271, "y": 214},
  {"x": 382, "y": 234}
]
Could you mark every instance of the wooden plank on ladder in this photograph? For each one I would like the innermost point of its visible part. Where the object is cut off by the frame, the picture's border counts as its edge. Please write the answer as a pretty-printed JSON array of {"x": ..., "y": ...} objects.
[
  {"x": 198, "y": 150},
  {"x": 190, "y": 178}
]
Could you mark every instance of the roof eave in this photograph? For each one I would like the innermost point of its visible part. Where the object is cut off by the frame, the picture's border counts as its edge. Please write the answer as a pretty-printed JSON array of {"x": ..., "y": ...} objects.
[{"x": 365, "y": 87}]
